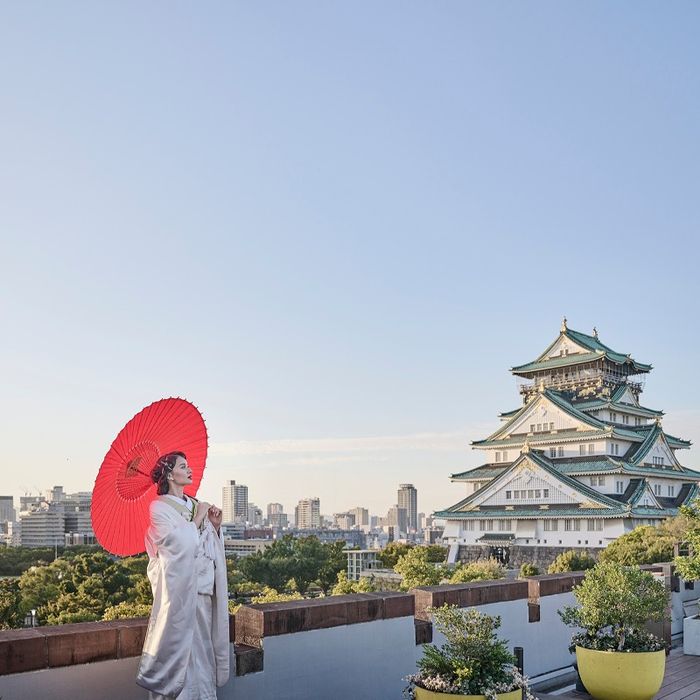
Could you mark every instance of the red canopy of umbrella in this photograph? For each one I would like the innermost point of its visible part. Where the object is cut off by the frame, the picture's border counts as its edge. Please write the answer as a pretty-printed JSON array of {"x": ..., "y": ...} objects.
[{"x": 123, "y": 488}]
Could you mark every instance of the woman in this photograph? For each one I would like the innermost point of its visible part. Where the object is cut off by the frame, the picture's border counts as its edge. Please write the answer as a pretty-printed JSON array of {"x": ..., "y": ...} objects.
[{"x": 186, "y": 651}]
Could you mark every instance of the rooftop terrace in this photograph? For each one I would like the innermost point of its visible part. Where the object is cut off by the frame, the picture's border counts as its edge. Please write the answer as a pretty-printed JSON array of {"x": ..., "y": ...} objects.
[{"x": 353, "y": 646}]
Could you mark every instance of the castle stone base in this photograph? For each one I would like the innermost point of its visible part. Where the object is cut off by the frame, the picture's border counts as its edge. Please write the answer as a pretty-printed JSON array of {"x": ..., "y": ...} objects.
[{"x": 541, "y": 557}]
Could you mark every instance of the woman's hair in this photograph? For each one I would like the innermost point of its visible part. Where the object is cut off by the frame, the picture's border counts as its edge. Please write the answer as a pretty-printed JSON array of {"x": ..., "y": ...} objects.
[{"x": 163, "y": 467}]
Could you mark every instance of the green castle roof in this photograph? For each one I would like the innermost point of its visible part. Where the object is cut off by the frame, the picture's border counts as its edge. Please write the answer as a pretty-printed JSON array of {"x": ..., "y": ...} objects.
[
  {"x": 582, "y": 466},
  {"x": 596, "y": 351},
  {"x": 617, "y": 506}
]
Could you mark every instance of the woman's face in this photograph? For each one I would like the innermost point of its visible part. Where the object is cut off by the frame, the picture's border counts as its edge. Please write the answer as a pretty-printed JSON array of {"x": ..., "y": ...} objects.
[{"x": 181, "y": 473}]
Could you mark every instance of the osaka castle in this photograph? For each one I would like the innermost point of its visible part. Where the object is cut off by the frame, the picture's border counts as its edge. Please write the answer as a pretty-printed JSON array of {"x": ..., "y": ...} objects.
[{"x": 580, "y": 463}]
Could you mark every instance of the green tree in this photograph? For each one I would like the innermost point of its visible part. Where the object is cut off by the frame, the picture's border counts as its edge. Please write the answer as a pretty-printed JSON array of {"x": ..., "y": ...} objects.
[
  {"x": 643, "y": 545},
  {"x": 11, "y": 612},
  {"x": 305, "y": 560},
  {"x": 336, "y": 562},
  {"x": 688, "y": 566},
  {"x": 389, "y": 556},
  {"x": 126, "y": 611},
  {"x": 270, "y": 595},
  {"x": 488, "y": 570},
  {"x": 437, "y": 553},
  {"x": 14, "y": 561},
  {"x": 78, "y": 588},
  {"x": 527, "y": 569},
  {"x": 344, "y": 586},
  {"x": 417, "y": 570},
  {"x": 40, "y": 584},
  {"x": 571, "y": 561}
]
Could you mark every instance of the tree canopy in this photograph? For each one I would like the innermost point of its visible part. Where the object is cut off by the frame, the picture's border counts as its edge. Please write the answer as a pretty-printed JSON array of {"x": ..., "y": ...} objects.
[{"x": 303, "y": 560}]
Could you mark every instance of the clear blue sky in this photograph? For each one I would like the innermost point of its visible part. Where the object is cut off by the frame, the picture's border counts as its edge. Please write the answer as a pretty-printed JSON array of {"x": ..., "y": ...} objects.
[{"x": 334, "y": 226}]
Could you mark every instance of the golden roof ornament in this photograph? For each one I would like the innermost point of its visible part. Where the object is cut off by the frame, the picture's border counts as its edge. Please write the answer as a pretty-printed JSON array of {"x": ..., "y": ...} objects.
[
  {"x": 595, "y": 332},
  {"x": 541, "y": 386},
  {"x": 526, "y": 448},
  {"x": 563, "y": 325}
]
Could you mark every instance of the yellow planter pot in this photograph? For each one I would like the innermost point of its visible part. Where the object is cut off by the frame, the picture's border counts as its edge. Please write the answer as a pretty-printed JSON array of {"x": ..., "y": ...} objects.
[
  {"x": 423, "y": 694},
  {"x": 620, "y": 675}
]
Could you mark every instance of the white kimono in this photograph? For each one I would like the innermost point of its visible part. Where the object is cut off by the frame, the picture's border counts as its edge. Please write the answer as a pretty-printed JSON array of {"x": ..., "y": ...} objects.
[{"x": 186, "y": 651}]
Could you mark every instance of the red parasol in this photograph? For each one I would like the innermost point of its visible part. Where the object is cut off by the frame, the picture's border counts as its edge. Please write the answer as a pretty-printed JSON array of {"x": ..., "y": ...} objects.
[{"x": 123, "y": 488}]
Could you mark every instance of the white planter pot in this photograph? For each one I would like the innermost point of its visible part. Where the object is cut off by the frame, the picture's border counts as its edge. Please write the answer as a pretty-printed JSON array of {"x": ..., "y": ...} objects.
[{"x": 691, "y": 636}]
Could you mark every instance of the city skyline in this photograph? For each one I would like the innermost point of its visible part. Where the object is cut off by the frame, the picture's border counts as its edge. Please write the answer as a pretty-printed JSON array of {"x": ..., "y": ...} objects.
[{"x": 333, "y": 235}]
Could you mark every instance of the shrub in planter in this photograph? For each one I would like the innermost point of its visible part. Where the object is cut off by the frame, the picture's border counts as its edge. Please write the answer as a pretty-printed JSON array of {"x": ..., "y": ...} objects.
[
  {"x": 616, "y": 656},
  {"x": 688, "y": 567},
  {"x": 473, "y": 661}
]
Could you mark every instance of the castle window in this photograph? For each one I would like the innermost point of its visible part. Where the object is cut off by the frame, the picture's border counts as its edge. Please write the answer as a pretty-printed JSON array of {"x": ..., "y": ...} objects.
[
  {"x": 539, "y": 427},
  {"x": 545, "y": 493},
  {"x": 591, "y": 525},
  {"x": 551, "y": 525},
  {"x": 560, "y": 451},
  {"x": 671, "y": 490},
  {"x": 498, "y": 456},
  {"x": 625, "y": 419},
  {"x": 637, "y": 420},
  {"x": 505, "y": 456},
  {"x": 508, "y": 495},
  {"x": 552, "y": 451},
  {"x": 591, "y": 447},
  {"x": 593, "y": 480},
  {"x": 582, "y": 449},
  {"x": 551, "y": 426},
  {"x": 601, "y": 481},
  {"x": 532, "y": 427},
  {"x": 468, "y": 525},
  {"x": 504, "y": 525},
  {"x": 619, "y": 487},
  {"x": 572, "y": 525},
  {"x": 657, "y": 489},
  {"x": 530, "y": 493}
]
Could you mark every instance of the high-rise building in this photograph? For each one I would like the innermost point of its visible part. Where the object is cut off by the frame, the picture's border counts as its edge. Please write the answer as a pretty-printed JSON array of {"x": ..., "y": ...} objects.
[
  {"x": 56, "y": 519},
  {"x": 234, "y": 502},
  {"x": 28, "y": 500},
  {"x": 255, "y": 515},
  {"x": 397, "y": 518},
  {"x": 43, "y": 525},
  {"x": 580, "y": 462},
  {"x": 55, "y": 495},
  {"x": 361, "y": 517},
  {"x": 276, "y": 517},
  {"x": 77, "y": 518},
  {"x": 408, "y": 500},
  {"x": 344, "y": 521},
  {"x": 7, "y": 509},
  {"x": 307, "y": 514}
]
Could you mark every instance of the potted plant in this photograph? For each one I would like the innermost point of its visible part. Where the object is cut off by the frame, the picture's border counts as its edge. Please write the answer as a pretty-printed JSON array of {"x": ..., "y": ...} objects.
[
  {"x": 473, "y": 663},
  {"x": 617, "y": 658},
  {"x": 689, "y": 568}
]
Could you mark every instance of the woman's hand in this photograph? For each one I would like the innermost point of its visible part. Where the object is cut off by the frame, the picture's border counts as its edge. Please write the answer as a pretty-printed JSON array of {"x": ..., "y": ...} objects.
[
  {"x": 202, "y": 510},
  {"x": 215, "y": 516}
]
